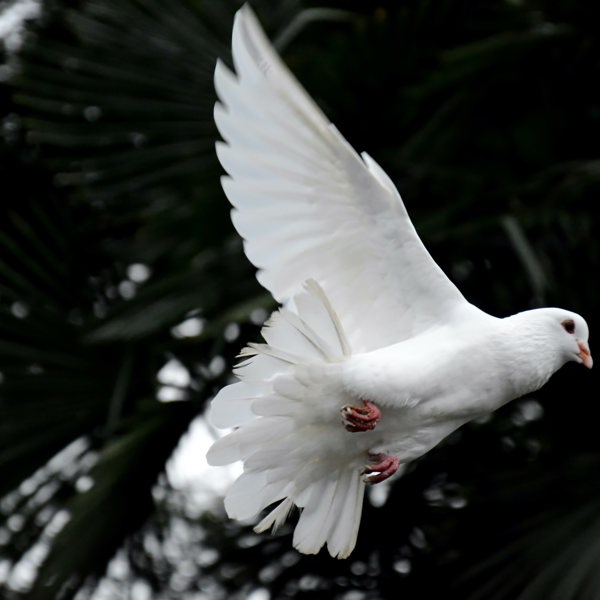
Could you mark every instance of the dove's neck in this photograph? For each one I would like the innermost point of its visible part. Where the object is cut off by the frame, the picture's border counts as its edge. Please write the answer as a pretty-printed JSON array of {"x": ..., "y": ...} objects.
[{"x": 531, "y": 356}]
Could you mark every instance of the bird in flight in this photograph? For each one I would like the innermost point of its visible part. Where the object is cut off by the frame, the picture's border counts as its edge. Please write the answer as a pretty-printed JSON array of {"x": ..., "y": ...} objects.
[{"x": 375, "y": 355}]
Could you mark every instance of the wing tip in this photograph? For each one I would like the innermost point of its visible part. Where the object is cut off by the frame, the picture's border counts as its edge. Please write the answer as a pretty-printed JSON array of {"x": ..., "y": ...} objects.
[
  {"x": 220, "y": 148},
  {"x": 221, "y": 69},
  {"x": 246, "y": 31},
  {"x": 245, "y": 18}
]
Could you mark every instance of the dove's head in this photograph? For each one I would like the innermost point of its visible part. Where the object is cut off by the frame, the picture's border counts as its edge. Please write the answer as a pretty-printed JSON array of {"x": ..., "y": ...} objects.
[
  {"x": 568, "y": 332},
  {"x": 574, "y": 337},
  {"x": 552, "y": 337}
]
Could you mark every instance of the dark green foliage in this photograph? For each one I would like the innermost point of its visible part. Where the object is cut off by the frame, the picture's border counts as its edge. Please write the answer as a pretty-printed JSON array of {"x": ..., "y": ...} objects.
[{"x": 485, "y": 114}]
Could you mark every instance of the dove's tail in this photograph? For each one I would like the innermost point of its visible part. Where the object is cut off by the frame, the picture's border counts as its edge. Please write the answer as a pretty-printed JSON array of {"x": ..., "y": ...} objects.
[{"x": 289, "y": 433}]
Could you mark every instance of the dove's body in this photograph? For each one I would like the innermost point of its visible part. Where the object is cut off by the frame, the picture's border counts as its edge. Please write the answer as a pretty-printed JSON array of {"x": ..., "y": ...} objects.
[
  {"x": 431, "y": 384},
  {"x": 377, "y": 321}
]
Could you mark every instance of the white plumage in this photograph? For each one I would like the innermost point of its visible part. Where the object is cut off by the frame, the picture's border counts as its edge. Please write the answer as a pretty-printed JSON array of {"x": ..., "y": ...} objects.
[{"x": 371, "y": 324}]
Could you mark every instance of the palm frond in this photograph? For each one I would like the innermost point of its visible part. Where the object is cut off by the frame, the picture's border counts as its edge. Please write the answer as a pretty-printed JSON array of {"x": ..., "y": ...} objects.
[{"x": 483, "y": 113}]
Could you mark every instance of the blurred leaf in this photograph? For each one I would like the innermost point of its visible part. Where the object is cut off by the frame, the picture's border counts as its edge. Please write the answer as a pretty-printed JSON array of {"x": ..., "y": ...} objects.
[
  {"x": 481, "y": 112},
  {"x": 542, "y": 528},
  {"x": 121, "y": 483}
]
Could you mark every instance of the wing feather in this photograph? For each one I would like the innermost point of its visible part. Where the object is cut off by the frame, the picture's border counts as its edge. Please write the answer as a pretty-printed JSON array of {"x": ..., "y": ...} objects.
[{"x": 309, "y": 207}]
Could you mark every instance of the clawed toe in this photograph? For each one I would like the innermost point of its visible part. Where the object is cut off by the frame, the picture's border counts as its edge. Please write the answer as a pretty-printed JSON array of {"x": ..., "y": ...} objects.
[
  {"x": 382, "y": 467},
  {"x": 360, "y": 418}
]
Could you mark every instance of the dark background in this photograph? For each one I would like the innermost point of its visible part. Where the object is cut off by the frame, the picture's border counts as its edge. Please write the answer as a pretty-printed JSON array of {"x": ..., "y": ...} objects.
[{"x": 486, "y": 114}]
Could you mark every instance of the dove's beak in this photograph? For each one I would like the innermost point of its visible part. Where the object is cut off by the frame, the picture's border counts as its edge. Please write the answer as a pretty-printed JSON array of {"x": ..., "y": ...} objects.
[{"x": 585, "y": 355}]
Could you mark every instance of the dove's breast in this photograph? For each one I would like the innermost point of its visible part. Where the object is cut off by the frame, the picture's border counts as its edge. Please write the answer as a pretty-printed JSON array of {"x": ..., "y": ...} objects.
[
  {"x": 426, "y": 388},
  {"x": 443, "y": 375}
]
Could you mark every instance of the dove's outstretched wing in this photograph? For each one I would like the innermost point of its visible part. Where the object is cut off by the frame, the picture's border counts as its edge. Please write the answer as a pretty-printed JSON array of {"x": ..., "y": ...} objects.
[{"x": 309, "y": 207}]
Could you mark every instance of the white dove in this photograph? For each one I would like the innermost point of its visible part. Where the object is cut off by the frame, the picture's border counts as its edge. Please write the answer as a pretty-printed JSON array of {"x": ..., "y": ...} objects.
[{"x": 376, "y": 356}]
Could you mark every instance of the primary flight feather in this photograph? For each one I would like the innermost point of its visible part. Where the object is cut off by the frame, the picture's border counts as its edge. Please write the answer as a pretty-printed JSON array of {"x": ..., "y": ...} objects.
[{"x": 376, "y": 356}]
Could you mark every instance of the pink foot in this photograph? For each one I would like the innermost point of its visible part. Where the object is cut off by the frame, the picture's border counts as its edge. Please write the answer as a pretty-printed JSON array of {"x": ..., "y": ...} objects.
[
  {"x": 382, "y": 467},
  {"x": 359, "y": 418}
]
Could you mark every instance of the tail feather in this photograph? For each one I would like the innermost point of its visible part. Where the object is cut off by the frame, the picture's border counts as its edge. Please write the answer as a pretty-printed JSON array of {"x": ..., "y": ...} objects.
[
  {"x": 263, "y": 460},
  {"x": 241, "y": 443},
  {"x": 250, "y": 493},
  {"x": 342, "y": 538},
  {"x": 311, "y": 531},
  {"x": 276, "y": 406},
  {"x": 316, "y": 309},
  {"x": 260, "y": 366},
  {"x": 245, "y": 496},
  {"x": 234, "y": 408},
  {"x": 277, "y": 517},
  {"x": 289, "y": 331},
  {"x": 290, "y": 438},
  {"x": 331, "y": 515}
]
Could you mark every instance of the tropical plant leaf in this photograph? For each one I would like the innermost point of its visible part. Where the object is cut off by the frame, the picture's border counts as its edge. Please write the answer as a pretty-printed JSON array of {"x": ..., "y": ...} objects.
[
  {"x": 119, "y": 487},
  {"x": 541, "y": 529},
  {"x": 486, "y": 116},
  {"x": 82, "y": 341}
]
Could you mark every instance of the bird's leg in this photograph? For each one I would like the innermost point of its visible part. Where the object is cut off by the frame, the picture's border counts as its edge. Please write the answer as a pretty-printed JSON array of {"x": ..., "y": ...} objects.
[
  {"x": 381, "y": 467},
  {"x": 360, "y": 418}
]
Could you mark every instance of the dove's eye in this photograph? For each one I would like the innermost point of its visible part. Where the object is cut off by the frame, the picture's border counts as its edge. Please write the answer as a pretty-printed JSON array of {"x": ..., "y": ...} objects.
[{"x": 569, "y": 326}]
